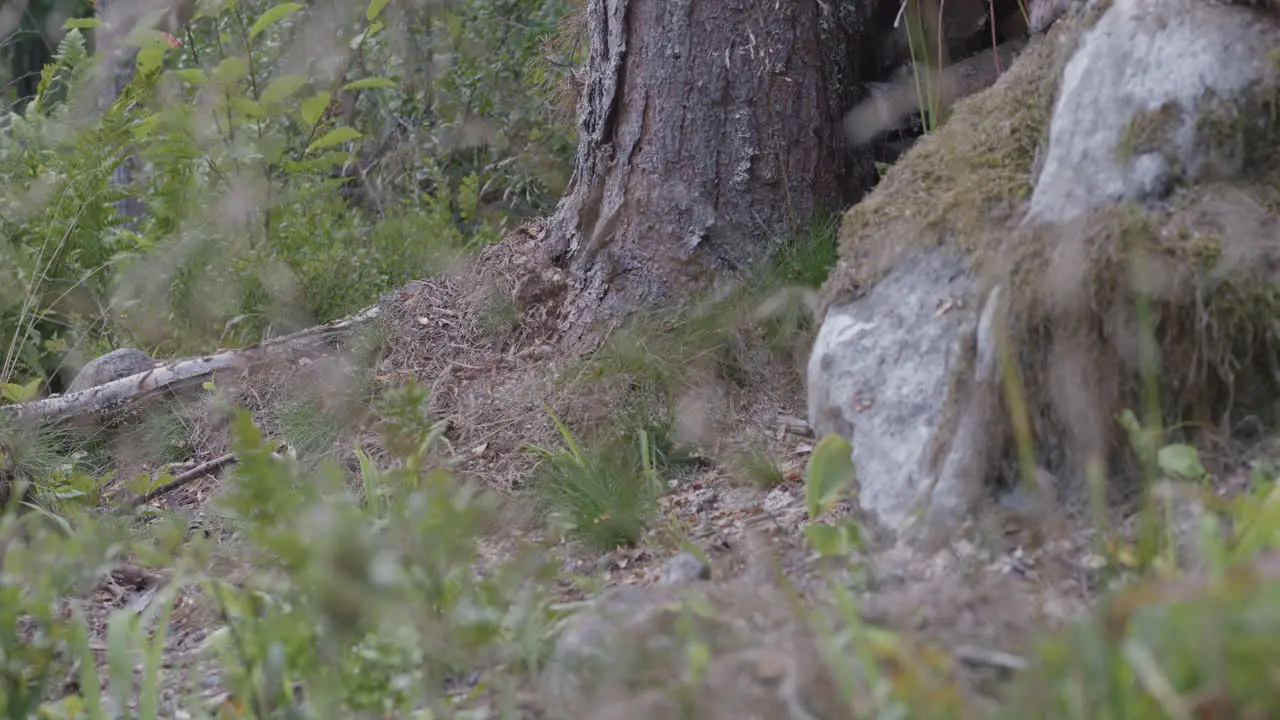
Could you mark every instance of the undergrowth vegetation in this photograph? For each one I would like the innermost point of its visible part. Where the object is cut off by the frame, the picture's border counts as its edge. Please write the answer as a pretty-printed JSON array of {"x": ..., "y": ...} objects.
[
  {"x": 341, "y": 569},
  {"x": 361, "y": 598},
  {"x": 237, "y": 186}
]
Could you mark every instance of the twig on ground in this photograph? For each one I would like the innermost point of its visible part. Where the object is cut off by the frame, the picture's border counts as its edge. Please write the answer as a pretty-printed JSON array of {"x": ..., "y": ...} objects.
[
  {"x": 185, "y": 478},
  {"x": 984, "y": 656}
]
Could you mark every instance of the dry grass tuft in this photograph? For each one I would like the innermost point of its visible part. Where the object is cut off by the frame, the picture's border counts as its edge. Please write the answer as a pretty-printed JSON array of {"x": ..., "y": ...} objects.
[{"x": 564, "y": 52}]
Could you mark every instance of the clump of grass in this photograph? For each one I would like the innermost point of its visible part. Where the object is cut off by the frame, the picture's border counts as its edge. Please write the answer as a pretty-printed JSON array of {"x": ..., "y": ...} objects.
[
  {"x": 32, "y": 455},
  {"x": 315, "y": 418},
  {"x": 499, "y": 315},
  {"x": 603, "y": 494},
  {"x": 309, "y": 428},
  {"x": 161, "y": 437},
  {"x": 807, "y": 258},
  {"x": 758, "y": 469}
]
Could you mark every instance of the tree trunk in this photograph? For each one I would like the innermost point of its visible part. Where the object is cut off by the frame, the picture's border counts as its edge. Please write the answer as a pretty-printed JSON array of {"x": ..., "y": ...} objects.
[
  {"x": 706, "y": 129},
  {"x": 118, "y": 18},
  {"x": 28, "y": 53}
]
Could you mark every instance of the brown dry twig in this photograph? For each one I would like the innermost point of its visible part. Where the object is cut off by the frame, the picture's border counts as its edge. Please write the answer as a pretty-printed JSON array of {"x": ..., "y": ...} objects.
[{"x": 185, "y": 478}]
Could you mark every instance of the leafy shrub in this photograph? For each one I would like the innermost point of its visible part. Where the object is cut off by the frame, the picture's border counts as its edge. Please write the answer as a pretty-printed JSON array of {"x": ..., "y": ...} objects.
[{"x": 350, "y": 607}]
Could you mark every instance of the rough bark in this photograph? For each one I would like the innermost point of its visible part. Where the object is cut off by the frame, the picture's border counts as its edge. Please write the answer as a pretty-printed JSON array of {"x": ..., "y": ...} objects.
[
  {"x": 706, "y": 128},
  {"x": 118, "y": 18}
]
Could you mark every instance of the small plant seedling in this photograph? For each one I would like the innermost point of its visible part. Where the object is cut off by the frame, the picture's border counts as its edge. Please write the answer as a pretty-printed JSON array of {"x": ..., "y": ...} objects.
[{"x": 831, "y": 472}]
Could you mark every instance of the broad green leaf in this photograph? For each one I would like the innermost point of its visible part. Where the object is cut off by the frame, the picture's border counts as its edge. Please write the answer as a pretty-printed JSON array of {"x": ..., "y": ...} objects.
[
  {"x": 219, "y": 640},
  {"x": 313, "y": 107},
  {"x": 151, "y": 56},
  {"x": 192, "y": 76},
  {"x": 120, "y": 659},
  {"x": 1181, "y": 460},
  {"x": 272, "y": 148},
  {"x": 371, "y": 478},
  {"x": 322, "y": 161},
  {"x": 247, "y": 106},
  {"x": 141, "y": 37},
  {"x": 373, "y": 29},
  {"x": 824, "y": 538},
  {"x": 334, "y": 137},
  {"x": 698, "y": 658},
  {"x": 830, "y": 540},
  {"x": 148, "y": 698},
  {"x": 1261, "y": 526},
  {"x": 88, "y": 675},
  {"x": 282, "y": 87},
  {"x": 273, "y": 16},
  {"x": 143, "y": 483},
  {"x": 1128, "y": 421},
  {"x": 230, "y": 70},
  {"x": 145, "y": 126},
  {"x": 20, "y": 393},
  {"x": 372, "y": 82},
  {"x": 80, "y": 24},
  {"x": 374, "y": 9},
  {"x": 52, "y": 517},
  {"x": 830, "y": 470}
]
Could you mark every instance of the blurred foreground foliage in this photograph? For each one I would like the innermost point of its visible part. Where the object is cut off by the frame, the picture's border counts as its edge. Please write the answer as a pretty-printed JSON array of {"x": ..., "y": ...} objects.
[{"x": 363, "y": 599}]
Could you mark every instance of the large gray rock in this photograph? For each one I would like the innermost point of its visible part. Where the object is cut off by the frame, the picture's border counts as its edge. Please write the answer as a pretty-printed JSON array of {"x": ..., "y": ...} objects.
[
  {"x": 881, "y": 375},
  {"x": 1157, "y": 100},
  {"x": 1158, "y": 93}
]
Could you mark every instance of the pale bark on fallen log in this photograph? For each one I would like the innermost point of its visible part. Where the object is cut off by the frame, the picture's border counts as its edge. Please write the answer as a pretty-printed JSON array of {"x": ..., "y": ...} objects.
[{"x": 184, "y": 375}]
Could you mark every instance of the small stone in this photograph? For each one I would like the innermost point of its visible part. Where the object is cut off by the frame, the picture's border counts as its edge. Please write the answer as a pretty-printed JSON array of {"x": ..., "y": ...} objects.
[
  {"x": 684, "y": 568},
  {"x": 769, "y": 667}
]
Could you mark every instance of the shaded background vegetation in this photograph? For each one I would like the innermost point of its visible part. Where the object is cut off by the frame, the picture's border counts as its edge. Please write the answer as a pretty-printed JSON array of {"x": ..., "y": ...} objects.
[{"x": 454, "y": 138}]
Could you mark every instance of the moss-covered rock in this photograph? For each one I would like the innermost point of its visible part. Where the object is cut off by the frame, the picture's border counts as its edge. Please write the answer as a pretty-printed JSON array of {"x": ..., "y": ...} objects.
[
  {"x": 957, "y": 183},
  {"x": 1121, "y": 183}
]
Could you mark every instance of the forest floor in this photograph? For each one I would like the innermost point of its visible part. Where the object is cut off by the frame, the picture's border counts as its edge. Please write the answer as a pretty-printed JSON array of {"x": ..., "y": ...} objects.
[{"x": 982, "y": 603}]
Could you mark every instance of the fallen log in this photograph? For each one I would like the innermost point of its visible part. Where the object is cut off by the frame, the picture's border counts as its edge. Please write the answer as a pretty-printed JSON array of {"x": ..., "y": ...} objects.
[{"x": 184, "y": 375}]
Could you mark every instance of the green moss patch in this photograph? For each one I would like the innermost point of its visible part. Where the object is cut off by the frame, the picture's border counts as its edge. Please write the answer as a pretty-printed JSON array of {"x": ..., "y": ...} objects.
[
  {"x": 1149, "y": 131},
  {"x": 958, "y": 182},
  {"x": 1201, "y": 269},
  {"x": 1195, "y": 274}
]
